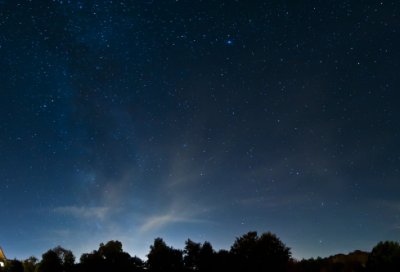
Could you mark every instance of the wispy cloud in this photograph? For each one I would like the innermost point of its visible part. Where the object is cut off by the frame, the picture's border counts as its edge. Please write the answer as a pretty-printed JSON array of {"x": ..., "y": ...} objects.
[
  {"x": 156, "y": 222},
  {"x": 98, "y": 212}
]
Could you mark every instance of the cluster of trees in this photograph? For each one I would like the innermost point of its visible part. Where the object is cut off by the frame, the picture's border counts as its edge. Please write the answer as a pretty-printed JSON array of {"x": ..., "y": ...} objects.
[
  {"x": 385, "y": 257},
  {"x": 353, "y": 262},
  {"x": 249, "y": 252}
]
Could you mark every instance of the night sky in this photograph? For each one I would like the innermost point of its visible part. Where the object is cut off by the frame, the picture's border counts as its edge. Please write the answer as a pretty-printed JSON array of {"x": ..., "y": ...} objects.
[{"x": 131, "y": 120}]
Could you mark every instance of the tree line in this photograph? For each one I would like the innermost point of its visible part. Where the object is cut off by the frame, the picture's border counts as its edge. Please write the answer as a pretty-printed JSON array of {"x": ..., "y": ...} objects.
[{"x": 249, "y": 252}]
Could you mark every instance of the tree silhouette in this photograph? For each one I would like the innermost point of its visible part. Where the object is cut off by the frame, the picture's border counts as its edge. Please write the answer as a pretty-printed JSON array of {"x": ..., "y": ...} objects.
[
  {"x": 66, "y": 257},
  {"x": 206, "y": 257},
  {"x": 176, "y": 259},
  {"x": 110, "y": 249},
  {"x": 56, "y": 259},
  {"x": 271, "y": 254},
  {"x": 164, "y": 258},
  {"x": 312, "y": 265},
  {"x": 265, "y": 253},
  {"x": 137, "y": 263},
  {"x": 13, "y": 266},
  {"x": 191, "y": 254},
  {"x": 50, "y": 263},
  {"x": 385, "y": 256},
  {"x": 158, "y": 257},
  {"x": 109, "y": 257},
  {"x": 222, "y": 261},
  {"x": 337, "y": 267},
  {"x": 93, "y": 262},
  {"x": 29, "y": 264},
  {"x": 244, "y": 246}
]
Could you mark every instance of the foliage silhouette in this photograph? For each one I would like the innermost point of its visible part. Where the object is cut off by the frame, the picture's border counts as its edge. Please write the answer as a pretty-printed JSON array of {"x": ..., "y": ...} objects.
[
  {"x": 13, "y": 266},
  {"x": 354, "y": 261},
  {"x": 206, "y": 257},
  {"x": 109, "y": 257},
  {"x": 264, "y": 253},
  {"x": 57, "y": 259},
  {"x": 66, "y": 258},
  {"x": 337, "y": 267},
  {"x": 191, "y": 254},
  {"x": 385, "y": 256},
  {"x": 137, "y": 263},
  {"x": 50, "y": 263},
  {"x": 164, "y": 258},
  {"x": 30, "y": 264},
  {"x": 310, "y": 265},
  {"x": 249, "y": 252},
  {"x": 223, "y": 261},
  {"x": 200, "y": 257}
]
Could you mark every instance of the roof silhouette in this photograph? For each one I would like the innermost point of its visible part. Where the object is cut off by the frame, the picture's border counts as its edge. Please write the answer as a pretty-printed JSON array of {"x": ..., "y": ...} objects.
[{"x": 2, "y": 256}]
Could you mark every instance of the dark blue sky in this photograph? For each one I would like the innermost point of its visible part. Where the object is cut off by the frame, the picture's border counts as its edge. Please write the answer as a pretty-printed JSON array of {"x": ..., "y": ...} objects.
[{"x": 198, "y": 119}]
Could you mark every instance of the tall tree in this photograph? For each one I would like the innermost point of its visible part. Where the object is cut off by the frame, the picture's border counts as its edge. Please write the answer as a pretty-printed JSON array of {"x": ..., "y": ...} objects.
[
  {"x": 50, "y": 263},
  {"x": 243, "y": 250},
  {"x": 158, "y": 257},
  {"x": 162, "y": 258},
  {"x": 206, "y": 257},
  {"x": 191, "y": 254}
]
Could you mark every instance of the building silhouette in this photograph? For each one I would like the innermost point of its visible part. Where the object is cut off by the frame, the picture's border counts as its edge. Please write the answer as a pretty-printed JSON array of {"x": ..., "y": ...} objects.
[{"x": 3, "y": 259}]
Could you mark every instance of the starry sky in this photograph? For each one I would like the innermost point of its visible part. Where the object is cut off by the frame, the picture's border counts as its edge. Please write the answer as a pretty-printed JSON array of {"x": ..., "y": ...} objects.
[{"x": 131, "y": 120}]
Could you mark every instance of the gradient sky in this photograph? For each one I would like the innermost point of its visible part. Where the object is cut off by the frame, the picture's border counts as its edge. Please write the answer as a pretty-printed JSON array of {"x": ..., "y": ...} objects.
[{"x": 131, "y": 120}]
